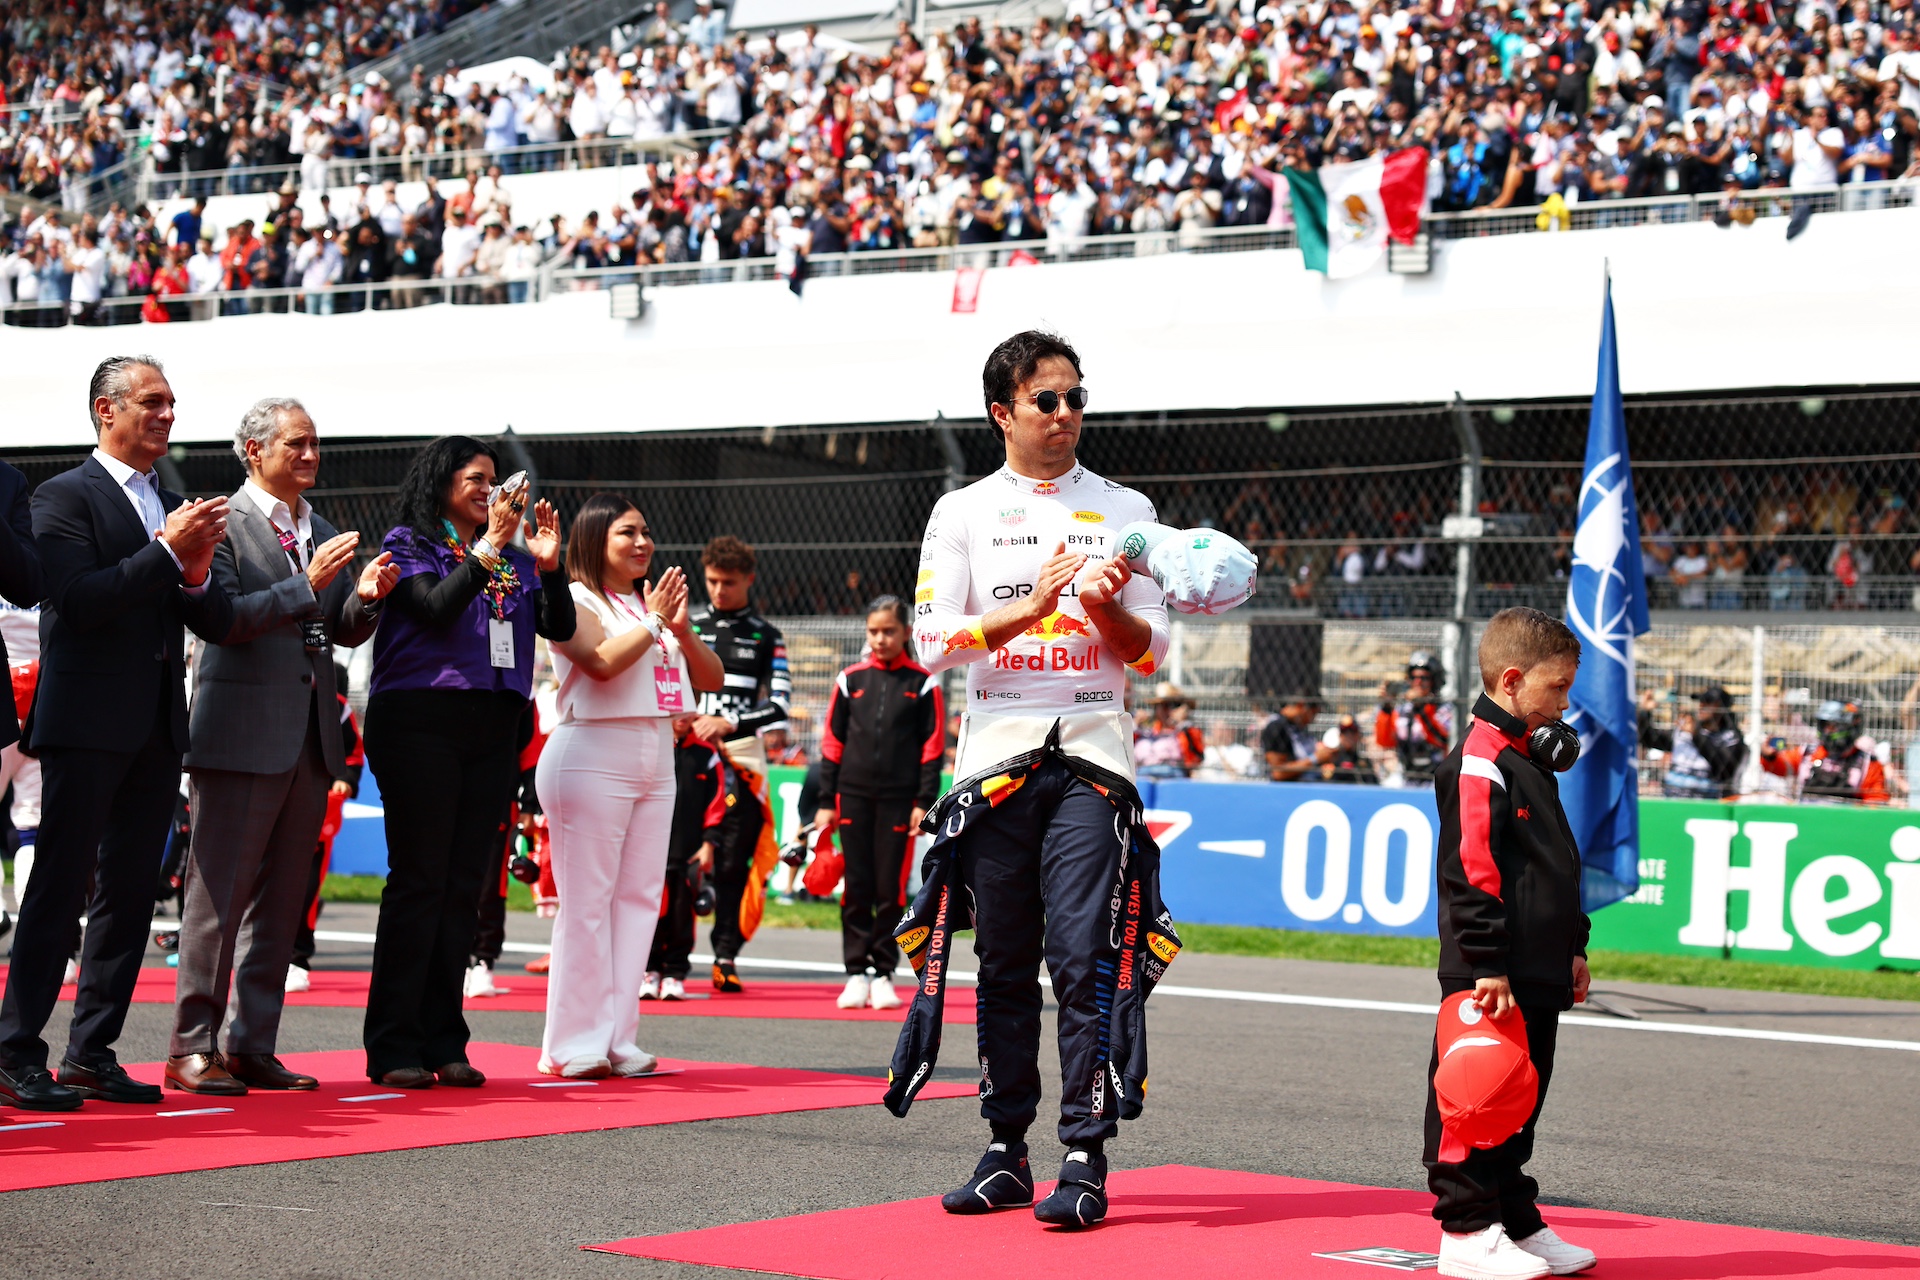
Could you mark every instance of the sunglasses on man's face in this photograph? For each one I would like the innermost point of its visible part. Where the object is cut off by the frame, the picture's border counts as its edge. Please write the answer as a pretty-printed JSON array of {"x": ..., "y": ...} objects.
[{"x": 1048, "y": 402}]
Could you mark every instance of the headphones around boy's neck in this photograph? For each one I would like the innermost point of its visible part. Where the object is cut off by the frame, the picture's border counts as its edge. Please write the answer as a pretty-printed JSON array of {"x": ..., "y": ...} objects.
[{"x": 1554, "y": 745}]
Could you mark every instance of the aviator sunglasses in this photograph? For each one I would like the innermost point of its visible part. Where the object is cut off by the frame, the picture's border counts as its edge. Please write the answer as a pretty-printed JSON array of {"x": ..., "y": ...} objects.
[{"x": 1048, "y": 402}]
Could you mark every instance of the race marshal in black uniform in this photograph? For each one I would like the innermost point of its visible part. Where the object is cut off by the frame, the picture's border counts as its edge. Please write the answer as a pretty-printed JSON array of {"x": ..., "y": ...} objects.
[{"x": 754, "y": 698}]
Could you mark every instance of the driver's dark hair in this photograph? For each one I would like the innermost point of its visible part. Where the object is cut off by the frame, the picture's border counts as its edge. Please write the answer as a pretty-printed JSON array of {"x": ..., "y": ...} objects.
[
  {"x": 423, "y": 489},
  {"x": 1014, "y": 361}
]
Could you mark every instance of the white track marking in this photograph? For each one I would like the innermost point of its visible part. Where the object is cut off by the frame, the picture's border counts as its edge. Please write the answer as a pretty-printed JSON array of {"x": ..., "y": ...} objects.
[{"x": 1325, "y": 1002}]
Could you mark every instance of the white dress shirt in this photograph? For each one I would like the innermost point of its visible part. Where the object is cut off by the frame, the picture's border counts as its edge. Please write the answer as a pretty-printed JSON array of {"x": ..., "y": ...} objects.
[
  {"x": 299, "y": 520},
  {"x": 143, "y": 491}
]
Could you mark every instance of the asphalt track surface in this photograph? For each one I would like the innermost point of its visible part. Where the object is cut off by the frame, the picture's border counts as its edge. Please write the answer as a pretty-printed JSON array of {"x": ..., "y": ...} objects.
[{"x": 1813, "y": 1137}]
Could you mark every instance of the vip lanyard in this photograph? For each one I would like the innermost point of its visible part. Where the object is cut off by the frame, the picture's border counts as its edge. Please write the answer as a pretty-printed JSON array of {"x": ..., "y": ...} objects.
[{"x": 290, "y": 543}]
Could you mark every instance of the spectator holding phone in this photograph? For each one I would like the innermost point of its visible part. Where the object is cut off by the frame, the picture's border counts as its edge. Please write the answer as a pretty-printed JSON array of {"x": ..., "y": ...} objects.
[{"x": 452, "y": 671}]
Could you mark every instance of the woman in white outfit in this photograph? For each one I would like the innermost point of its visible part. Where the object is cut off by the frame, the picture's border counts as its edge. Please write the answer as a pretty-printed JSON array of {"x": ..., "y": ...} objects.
[{"x": 605, "y": 780}]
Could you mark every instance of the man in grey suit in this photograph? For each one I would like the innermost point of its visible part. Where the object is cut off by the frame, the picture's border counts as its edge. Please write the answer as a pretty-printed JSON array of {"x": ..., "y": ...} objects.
[{"x": 264, "y": 745}]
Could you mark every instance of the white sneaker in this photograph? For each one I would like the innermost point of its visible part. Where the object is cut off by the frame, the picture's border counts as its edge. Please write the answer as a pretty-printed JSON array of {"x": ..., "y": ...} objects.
[
  {"x": 298, "y": 979},
  {"x": 644, "y": 1065},
  {"x": 71, "y": 975},
  {"x": 672, "y": 989},
  {"x": 1487, "y": 1255},
  {"x": 650, "y": 987},
  {"x": 480, "y": 982},
  {"x": 857, "y": 990},
  {"x": 1562, "y": 1259},
  {"x": 882, "y": 994}
]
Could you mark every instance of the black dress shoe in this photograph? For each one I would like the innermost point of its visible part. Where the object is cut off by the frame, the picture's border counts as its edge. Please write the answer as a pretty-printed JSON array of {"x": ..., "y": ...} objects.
[
  {"x": 108, "y": 1083},
  {"x": 460, "y": 1075},
  {"x": 407, "y": 1078},
  {"x": 35, "y": 1089}
]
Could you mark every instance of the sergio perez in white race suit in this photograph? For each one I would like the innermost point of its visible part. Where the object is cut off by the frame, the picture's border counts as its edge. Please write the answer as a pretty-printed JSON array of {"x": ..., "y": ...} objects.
[{"x": 1046, "y": 747}]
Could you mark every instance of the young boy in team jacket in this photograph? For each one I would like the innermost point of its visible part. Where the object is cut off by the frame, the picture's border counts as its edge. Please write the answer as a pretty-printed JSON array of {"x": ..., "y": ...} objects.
[{"x": 1511, "y": 928}]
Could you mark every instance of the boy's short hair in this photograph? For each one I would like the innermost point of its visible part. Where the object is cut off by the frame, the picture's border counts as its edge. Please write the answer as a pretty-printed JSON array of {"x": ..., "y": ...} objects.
[
  {"x": 728, "y": 554},
  {"x": 1523, "y": 638}
]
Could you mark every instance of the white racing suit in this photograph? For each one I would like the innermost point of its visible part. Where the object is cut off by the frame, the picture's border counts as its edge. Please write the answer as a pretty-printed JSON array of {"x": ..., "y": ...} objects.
[{"x": 1041, "y": 840}]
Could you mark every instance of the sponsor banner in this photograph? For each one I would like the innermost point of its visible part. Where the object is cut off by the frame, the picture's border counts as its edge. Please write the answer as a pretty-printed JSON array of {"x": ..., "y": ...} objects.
[
  {"x": 1800, "y": 884},
  {"x": 1326, "y": 858},
  {"x": 1789, "y": 884}
]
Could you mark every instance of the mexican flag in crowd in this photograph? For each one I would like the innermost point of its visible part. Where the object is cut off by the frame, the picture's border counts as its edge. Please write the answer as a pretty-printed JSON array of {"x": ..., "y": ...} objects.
[{"x": 1343, "y": 213}]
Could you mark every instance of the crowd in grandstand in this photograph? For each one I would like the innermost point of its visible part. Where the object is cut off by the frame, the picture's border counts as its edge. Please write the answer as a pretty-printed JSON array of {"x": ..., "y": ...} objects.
[
  {"x": 1128, "y": 116},
  {"x": 206, "y": 84}
]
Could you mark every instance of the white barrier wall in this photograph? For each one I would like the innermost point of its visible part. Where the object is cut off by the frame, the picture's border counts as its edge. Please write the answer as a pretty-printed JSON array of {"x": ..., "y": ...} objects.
[{"x": 1512, "y": 317}]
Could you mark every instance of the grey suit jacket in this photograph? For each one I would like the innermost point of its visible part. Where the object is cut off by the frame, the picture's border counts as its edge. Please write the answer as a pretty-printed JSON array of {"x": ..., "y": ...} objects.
[{"x": 255, "y": 691}]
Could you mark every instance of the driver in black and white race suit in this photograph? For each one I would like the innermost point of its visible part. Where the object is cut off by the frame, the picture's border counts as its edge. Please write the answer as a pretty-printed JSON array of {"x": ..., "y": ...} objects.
[{"x": 1021, "y": 579}]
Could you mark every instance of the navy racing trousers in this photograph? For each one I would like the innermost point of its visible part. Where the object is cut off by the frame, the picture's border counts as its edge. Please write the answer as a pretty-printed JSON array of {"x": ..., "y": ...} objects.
[{"x": 1042, "y": 870}]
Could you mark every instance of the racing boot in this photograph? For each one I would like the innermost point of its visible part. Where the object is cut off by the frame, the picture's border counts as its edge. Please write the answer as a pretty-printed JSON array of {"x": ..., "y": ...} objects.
[
  {"x": 1002, "y": 1180},
  {"x": 1080, "y": 1200},
  {"x": 725, "y": 979}
]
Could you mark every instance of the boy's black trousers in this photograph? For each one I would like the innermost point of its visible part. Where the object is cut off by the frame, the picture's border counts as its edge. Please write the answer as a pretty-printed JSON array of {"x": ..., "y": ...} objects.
[{"x": 1491, "y": 1185}]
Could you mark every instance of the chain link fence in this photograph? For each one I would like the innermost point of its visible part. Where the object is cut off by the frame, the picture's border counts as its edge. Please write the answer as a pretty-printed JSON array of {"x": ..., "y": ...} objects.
[
  {"x": 1759, "y": 504},
  {"x": 1773, "y": 525}
]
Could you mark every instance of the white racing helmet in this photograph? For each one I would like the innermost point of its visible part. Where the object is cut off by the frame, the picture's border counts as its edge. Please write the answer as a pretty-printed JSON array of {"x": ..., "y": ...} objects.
[{"x": 1201, "y": 570}]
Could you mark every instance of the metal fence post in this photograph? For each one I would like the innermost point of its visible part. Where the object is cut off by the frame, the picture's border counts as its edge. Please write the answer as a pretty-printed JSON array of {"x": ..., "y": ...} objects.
[
  {"x": 1466, "y": 532},
  {"x": 1756, "y": 718},
  {"x": 950, "y": 446}
]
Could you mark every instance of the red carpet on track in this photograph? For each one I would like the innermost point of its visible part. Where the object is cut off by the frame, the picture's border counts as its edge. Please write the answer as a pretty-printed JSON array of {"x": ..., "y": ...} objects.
[
  {"x": 527, "y": 993},
  {"x": 1178, "y": 1220},
  {"x": 105, "y": 1141}
]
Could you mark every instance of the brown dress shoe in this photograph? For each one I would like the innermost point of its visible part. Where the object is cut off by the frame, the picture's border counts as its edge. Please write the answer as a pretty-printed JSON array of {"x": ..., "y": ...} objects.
[
  {"x": 264, "y": 1071},
  {"x": 202, "y": 1073},
  {"x": 408, "y": 1078},
  {"x": 460, "y": 1075}
]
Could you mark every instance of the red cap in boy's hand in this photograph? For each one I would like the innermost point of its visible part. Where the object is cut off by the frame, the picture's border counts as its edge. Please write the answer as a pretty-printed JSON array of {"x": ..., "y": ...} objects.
[{"x": 1485, "y": 1084}]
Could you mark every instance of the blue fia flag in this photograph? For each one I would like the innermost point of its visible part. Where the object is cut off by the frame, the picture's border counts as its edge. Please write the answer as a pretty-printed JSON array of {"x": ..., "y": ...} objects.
[{"x": 1607, "y": 608}]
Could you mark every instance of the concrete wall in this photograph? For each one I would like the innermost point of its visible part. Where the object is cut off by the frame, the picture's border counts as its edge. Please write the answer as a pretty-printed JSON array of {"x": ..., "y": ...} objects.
[{"x": 1513, "y": 317}]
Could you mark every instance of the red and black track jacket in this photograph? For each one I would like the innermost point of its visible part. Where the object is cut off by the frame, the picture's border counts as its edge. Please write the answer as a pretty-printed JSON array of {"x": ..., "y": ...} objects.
[
  {"x": 885, "y": 736},
  {"x": 1509, "y": 870}
]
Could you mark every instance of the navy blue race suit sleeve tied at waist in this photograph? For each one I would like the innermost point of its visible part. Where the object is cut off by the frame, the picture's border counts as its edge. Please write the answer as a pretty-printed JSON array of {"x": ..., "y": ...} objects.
[{"x": 1141, "y": 926}]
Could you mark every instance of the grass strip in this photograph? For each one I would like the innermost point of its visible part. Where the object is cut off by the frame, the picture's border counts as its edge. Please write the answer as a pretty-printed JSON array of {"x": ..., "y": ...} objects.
[{"x": 1354, "y": 948}]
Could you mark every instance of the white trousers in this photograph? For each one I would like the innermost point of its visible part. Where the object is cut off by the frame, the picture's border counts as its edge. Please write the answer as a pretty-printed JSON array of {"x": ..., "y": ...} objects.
[{"x": 607, "y": 788}]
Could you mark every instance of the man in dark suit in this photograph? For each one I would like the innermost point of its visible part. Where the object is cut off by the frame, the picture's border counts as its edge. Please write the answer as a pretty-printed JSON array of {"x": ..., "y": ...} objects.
[
  {"x": 23, "y": 582},
  {"x": 127, "y": 563},
  {"x": 265, "y": 747}
]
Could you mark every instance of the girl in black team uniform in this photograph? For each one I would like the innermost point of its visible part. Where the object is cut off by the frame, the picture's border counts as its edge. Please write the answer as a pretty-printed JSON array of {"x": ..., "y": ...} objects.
[{"x": 881, "y": 750}]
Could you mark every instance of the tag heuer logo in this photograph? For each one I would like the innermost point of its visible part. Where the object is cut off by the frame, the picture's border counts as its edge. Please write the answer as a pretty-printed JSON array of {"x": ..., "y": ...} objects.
[
  {"x": 1133, "y": 546},
  {"x": 1013, "y": 515}
]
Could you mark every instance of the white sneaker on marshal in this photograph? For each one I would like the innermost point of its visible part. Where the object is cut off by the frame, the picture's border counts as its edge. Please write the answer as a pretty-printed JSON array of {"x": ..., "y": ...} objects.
[
  {"x": 298, "y": 979},
  {"x": 1487, "y": 1255},
  {"x": 882, "y": 995},
  {"x": 672, "y": 989},
  {"x": 1562, "y": 1259},
  {"x": 480, "y": 982},
  {"x": 650, "y": 987},
  {"x": 71, "y": 974},
  {"x": 857, "y": 990}
]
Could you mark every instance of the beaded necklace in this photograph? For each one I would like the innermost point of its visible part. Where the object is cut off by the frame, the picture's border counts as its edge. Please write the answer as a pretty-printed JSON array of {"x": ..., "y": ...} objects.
[{"x": 502, "y": 580}]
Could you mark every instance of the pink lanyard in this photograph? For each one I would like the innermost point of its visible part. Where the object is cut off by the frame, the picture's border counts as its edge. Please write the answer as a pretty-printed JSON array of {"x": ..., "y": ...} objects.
[
  {"x": 289, "y": 543},
  {"x": 639, "y": 618}
]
